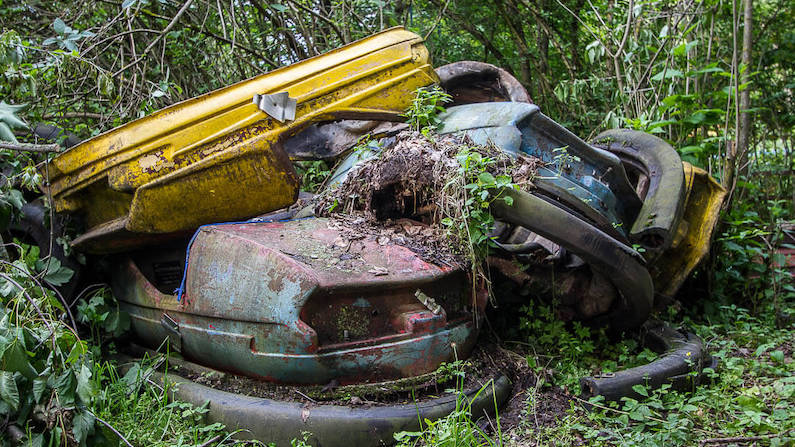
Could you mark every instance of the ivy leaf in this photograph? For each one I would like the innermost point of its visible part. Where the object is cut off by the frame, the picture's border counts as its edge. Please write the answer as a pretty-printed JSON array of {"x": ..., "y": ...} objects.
[
  {"x": 640, "y": 389},
  {"x": 486, "y": 178},
  {"x": 128, "y": 3},
  {"x": 78, "y": 348},
  {"x": 8, "y": 389},
  {"x": 9, "y": 120},
  {"x": 38, "y": 439},
  {"x": 278, "y": 7},
  {"x": 6, "y": 134},
  {"x": 60, "y": 276},
  {"x": 667, "y": 74},
  {"x": 117, "y": 323},
  {"x": 685, "y": 48},
  {"x": 16, "y": 359},
  {"x": 65, "y": 387}
]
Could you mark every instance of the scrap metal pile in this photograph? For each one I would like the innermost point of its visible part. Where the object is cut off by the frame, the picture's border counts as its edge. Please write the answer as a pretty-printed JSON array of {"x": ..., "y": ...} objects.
[{"x": 191, "y": 204}]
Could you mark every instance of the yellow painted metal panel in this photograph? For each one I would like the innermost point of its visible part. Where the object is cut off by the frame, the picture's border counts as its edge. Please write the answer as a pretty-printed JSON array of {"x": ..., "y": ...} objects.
[
  {"x": 694, "y": 233},
  {"x": 217, "y": 157}
]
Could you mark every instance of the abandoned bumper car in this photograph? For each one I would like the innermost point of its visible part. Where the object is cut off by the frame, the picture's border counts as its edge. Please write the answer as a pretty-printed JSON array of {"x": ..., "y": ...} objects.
[{"x": 214, "y": 250}]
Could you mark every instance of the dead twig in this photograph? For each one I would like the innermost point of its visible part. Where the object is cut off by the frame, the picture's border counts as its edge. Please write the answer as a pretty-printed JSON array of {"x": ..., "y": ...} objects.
[
  {"x": 438, "y": 20},
  {"x": 305, "y": 396},
  {"x": 210, "y": 441},
  {"x": 68, "y": 115},
  {"x": 30, "y": 300},
  {"x": 41, "y": 286},
  {"x": 728, "y": 440},
  {"x": 156, "y": 39},
  {"x": 28, "y": 147}
]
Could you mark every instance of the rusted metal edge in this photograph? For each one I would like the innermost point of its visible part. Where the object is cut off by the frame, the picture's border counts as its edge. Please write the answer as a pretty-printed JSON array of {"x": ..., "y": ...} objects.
[
  {"x": 682, "y": 366},
  {"x": 330, "y": 425}
]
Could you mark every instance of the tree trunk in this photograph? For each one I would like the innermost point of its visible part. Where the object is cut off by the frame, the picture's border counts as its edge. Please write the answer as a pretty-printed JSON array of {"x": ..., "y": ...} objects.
[
  {"x": 736, "y": 149},
  {"x": 744, "y": 131}
]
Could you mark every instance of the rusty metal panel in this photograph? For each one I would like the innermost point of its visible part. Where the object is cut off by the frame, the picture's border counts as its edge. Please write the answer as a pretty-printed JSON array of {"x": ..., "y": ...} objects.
[
  {"x": 218, "y": 157},
  {"x": 306, "y": 301}
]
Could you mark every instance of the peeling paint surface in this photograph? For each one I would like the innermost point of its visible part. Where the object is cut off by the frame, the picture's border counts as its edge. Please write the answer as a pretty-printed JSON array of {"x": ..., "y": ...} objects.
[
  {"x": 287, "y": 302},
  {"x": 217, "y": 157}
]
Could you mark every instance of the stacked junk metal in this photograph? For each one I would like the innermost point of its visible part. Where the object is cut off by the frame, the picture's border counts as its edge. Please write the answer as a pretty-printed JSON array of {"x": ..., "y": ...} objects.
[{"x": 197, "y": 206}]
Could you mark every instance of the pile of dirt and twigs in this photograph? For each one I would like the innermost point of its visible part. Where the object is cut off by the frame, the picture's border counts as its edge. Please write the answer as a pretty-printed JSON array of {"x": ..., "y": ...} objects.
[{"x": 406, "y": 190}]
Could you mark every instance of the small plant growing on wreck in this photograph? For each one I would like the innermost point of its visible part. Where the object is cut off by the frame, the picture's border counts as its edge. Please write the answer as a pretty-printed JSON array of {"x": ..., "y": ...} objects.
[
  {"x": 313, "y": 174},
  {"x": 481, "y": 188},
  {"x": 470, "y": 192},
  {"x": 563, "y": 160},
  {"x": 426, "y": 107}
]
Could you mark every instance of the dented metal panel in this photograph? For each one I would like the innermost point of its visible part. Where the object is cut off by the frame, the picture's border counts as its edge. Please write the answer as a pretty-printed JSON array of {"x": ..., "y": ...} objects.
[
  {"x": 302, "y": 302},
  {"x": 218, "y": 157}
]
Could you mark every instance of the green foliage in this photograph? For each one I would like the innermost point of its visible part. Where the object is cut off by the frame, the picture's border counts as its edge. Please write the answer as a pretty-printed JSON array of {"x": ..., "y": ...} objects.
[
  {"x": 139, "y": 408},
  {"x": 9, "y": 120},
  {"x": 752, "y": 394},
  {"x": 47, "y": 377},
  {"x": 480, "y": 189},
  {"x": 66, "y": 37},
  {"x": 458, "y": 429},
  {"x": 102, "y": 315},
  {"x": 11, "y": 203},
  {"x": 313, "y": 174},
  {"x": 426, "y": 107},
  {"x": 750, "y": 270},
  {"x": 303, "y": 441},
  {"x": 547, "y": 333}
]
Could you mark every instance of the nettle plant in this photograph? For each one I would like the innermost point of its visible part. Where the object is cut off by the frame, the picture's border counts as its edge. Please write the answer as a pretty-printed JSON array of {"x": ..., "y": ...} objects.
[
  {"x": 426, "y": 107},
  {"x": 481, "y": 188}
]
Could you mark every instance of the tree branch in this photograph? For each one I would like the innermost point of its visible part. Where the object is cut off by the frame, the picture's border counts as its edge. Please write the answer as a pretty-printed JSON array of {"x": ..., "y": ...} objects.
[
  {"x": 157, "y": 39},
  {"x": 27, "y": 147},
  {"x": 68, "y": 115}
]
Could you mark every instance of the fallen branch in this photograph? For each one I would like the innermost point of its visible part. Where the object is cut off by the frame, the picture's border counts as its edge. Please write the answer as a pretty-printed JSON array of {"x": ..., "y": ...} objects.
[
  {"x": 27, "y": 147},
  {"x": 31, "y": 301},
  {"x": 210, "y": 441},
  {"x": 68, "y": 115},
  {"x": 743, "y": 438}
]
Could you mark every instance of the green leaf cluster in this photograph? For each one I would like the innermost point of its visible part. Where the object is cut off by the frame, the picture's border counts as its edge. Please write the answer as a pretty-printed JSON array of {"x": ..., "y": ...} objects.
[{"x": 426, "y": 107}]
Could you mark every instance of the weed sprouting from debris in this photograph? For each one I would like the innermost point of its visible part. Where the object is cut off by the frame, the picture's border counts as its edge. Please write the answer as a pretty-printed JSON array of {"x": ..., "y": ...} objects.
[
  {"x": 426, "y": 107},
  {"x": 443, "y": 183}
]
